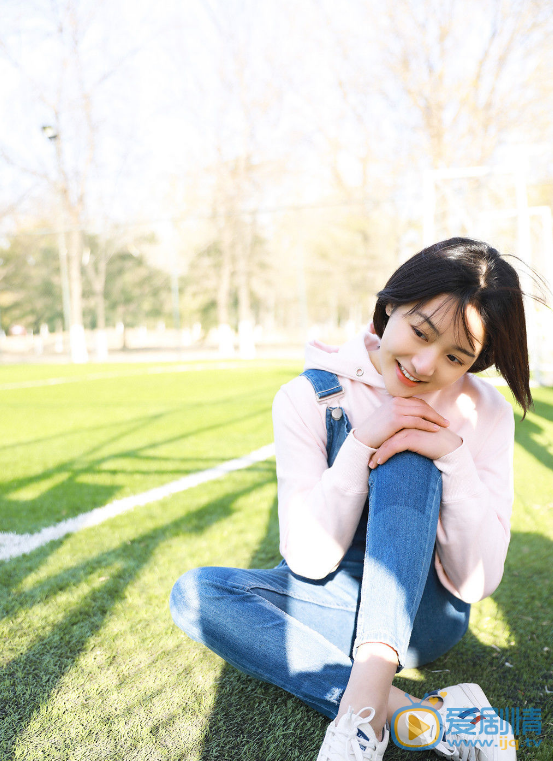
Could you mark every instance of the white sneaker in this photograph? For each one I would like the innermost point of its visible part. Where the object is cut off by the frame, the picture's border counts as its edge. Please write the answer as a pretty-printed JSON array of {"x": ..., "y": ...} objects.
[
  {"x": 353, "y": 739},
  {"x": 472, "y": 745}
]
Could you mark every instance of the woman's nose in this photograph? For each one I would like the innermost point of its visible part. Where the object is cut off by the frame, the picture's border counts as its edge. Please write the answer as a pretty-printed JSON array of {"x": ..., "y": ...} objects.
[{"x": 424, "y": 363}]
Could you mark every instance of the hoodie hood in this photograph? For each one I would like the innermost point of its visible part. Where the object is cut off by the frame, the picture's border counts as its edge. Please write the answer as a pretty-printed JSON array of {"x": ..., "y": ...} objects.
[{"x": 350, "y": 360}]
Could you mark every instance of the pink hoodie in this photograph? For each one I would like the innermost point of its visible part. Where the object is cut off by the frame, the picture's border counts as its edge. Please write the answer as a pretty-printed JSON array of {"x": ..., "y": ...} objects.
[{"x": 319, "y": 507}]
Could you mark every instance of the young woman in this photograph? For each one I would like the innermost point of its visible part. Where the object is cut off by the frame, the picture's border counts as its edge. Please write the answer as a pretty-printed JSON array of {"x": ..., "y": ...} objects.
[{"x": 394, "y": 465}]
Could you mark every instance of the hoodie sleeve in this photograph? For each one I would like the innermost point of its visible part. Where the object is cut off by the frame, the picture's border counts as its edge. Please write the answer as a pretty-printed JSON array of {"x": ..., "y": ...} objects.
[
  {"x": 477, "y": 498},
  {"x": 319, "y": 507}
]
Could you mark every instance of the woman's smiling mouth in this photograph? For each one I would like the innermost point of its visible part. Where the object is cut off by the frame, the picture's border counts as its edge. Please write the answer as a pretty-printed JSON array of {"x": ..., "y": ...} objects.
[{"x": 405, "y": 377}]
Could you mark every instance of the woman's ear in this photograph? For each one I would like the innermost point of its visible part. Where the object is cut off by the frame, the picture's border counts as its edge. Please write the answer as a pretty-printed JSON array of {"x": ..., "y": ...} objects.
[{"x": 389, "y": 309}]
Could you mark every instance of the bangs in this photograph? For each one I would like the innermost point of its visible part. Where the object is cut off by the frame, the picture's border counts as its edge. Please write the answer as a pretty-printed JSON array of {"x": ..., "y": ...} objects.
[{"x": 460, "y": 321}]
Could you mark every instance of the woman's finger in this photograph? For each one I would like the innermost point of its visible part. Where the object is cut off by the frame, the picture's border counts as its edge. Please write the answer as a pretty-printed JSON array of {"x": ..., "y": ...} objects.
[
  {"x": 407, "y": 439},
  {"x": 421, "y": 423},
  {"x": 424, "y": 410},
  {"x": 387, "y": 450}
]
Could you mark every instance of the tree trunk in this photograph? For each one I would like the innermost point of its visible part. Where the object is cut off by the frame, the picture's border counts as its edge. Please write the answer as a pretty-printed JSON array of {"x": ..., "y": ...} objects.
[
  {"x": 97, "y": 268},
  {"x": 100, "y": 332},
  {"x": 100, "y": 310},
  {"x": 225, "y": 337},
  {"x": 79, "y": 352},
  {"x": 245, "y": 322}
]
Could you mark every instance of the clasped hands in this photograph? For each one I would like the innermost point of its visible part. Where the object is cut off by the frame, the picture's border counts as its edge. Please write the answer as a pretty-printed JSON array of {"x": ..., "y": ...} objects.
[{"x": 402, "y": 424}]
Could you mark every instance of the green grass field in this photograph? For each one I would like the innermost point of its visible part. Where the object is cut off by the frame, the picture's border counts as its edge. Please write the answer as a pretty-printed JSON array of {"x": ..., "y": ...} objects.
[{"x": 92, "y": 666}]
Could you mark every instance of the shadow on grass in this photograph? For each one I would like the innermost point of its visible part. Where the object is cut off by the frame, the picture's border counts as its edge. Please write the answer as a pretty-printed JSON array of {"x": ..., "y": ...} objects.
[
  {"x": 529, "y": 431},
  {"x": 236, "y": 399},
  {"x": 73, "y": 494},
  {"x": 28, "y": 681},
  {"x": 253, "y": 719}
]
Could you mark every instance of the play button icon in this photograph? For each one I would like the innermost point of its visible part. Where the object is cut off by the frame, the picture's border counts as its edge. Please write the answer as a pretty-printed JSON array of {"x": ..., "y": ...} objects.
[{"x": 416, "y": 727}]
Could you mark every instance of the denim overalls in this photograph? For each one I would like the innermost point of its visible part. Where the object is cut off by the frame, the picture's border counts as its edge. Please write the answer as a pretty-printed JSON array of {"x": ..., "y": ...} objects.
[{"x": 301, "y": 634}]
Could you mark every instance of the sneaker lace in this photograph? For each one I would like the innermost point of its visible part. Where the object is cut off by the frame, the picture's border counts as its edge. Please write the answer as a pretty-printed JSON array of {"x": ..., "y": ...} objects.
[{"x": 342, "y": 740}]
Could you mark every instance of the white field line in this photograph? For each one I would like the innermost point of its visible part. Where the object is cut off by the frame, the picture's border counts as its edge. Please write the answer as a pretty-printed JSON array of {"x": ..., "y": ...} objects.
[
  {"x": 100, "y": 376},
  {"x": 13, "y": 545}
]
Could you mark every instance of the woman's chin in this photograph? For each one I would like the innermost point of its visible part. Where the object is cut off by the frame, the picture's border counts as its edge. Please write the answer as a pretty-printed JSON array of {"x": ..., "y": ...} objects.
[{"x": 396, "y": 388}]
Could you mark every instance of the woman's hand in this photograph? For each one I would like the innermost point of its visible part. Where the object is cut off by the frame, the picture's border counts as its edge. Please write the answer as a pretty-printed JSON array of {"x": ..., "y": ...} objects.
[
  {"x": 395, "y": 415},
  {"x": 430, "y": 444}
]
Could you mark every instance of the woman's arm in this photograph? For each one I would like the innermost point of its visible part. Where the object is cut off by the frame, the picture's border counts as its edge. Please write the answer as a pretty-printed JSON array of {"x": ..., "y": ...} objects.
[
  {"x": 319, "y": 507},
  {"x": 477, "y": 499}
]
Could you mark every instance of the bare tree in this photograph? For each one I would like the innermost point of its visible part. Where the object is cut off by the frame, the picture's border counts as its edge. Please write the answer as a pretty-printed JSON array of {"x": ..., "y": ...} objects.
[
  {"x": 66, "y": 93},
  {"x": 454, "y": 78},
  {"x": 242, "y": 99}
]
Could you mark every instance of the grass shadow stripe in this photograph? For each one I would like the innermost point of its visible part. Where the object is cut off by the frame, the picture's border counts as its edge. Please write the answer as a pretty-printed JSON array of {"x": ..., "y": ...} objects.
[{"x": 14, "y": 545}]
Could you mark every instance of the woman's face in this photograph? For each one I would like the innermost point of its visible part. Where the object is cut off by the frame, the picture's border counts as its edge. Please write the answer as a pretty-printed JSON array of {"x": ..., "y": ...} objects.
[{"x": 425, "y": 351}]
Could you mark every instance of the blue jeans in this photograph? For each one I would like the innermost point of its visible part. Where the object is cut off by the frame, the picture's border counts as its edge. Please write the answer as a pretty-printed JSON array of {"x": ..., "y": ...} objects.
[{"x": 301, "y": 634}]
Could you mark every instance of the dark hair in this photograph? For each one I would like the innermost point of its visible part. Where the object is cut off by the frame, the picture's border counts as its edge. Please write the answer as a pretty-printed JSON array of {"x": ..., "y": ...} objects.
[{"x": 471, "y": 272}]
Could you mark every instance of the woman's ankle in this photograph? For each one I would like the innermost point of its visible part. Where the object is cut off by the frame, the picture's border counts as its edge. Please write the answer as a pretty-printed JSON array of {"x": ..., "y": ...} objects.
[
  {"x": 399, "y": 699},
  {"x": 377, "y": 721},
  {"x": 369, "y": 684}
]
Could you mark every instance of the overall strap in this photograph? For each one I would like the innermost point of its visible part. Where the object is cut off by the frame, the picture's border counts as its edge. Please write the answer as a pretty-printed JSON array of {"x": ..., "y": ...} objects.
[
  {"x": 325, "y": 384},
  {"x": 327, "y": 387}
]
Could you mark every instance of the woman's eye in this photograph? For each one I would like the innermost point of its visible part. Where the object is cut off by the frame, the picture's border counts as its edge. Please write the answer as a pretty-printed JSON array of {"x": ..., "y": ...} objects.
[
  {"x": 454, "y": 359},
  {"x": 417, "y": 332}
]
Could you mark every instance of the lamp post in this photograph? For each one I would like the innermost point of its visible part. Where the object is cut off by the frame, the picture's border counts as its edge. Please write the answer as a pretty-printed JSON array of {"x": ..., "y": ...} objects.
[
  {"x": 75, "y": 330},
  {"x": 52, "y": 135}
]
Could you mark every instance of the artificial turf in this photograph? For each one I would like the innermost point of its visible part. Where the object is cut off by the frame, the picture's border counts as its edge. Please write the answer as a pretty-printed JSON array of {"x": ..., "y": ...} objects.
[{"x": 92, "y": 666}]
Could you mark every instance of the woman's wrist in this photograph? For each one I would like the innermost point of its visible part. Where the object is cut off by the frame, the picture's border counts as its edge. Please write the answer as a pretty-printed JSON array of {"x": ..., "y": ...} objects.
[
  {"x": 358, "y": 435},
  {"x": 452, "y": 442},
  {"x": 355, "y": 434}
]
